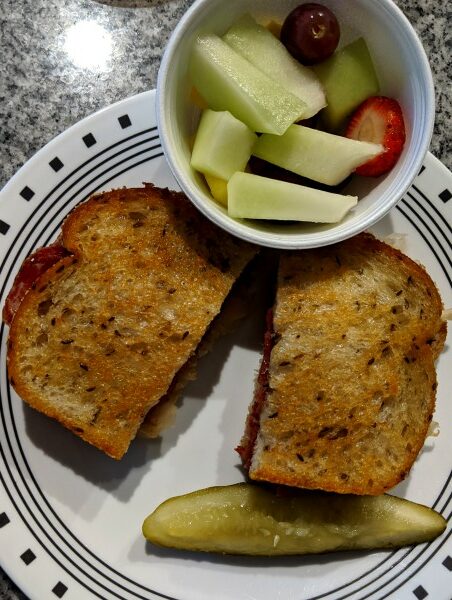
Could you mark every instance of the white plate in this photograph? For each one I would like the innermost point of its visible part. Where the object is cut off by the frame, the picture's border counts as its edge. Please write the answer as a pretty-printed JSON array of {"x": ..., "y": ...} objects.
[{"x": 70, "y": 517}]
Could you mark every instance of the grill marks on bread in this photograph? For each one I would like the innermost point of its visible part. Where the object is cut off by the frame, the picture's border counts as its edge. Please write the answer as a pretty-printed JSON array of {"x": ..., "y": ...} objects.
[
  {"x": 352, "y": 376},
  {"x": 99, "y": 339}
]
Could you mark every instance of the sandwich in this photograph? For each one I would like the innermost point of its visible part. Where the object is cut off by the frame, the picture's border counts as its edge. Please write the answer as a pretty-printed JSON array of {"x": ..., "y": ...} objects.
[
  {"x": 246, "y": 292},
  {"x": 347, "y": 384},
  {"x": 131, "y": 288}
]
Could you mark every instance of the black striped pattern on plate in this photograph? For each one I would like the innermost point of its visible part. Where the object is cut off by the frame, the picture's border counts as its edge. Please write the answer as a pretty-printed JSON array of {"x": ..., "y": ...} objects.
[{"x": 48, "y": 532}]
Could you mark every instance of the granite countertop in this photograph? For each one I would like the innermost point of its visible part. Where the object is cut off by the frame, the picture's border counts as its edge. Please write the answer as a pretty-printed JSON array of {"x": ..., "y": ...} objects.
[{"x": 43, "y": 92}]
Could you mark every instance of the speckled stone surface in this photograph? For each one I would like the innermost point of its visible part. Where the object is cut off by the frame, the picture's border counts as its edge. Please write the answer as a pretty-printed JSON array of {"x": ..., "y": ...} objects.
[{"x": 42, "y": 92}]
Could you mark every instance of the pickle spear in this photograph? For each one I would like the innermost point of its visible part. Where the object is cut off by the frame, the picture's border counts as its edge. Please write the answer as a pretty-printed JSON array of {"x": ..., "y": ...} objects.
[{"x": 253, "y": 520}]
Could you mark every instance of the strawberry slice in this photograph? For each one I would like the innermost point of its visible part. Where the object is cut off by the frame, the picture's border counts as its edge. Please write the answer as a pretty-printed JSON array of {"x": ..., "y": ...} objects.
[{"x": 379, "y": 120}]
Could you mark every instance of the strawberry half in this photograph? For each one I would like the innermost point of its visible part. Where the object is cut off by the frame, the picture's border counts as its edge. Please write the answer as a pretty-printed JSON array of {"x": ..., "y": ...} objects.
[{"x": 379, "y": 120}]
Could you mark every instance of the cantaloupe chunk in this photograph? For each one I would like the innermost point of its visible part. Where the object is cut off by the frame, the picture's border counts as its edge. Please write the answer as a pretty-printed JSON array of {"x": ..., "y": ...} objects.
[
  {"x": 197, "y": 99},
  {"x": 218, "y": 188}
]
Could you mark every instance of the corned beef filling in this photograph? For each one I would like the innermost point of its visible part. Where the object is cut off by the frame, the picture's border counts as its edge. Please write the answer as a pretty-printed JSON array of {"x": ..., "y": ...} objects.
[
  {"x": 260, "y": 395},
  {"x": 32, "y": 268}
]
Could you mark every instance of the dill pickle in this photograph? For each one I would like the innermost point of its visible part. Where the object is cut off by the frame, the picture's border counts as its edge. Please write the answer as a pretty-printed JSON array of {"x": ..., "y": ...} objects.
[{"x": 253, "y": 520}]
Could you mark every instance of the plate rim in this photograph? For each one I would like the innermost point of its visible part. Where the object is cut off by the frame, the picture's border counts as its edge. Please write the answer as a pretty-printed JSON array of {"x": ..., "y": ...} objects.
[
  {"x": 70, "y": 131},
  {"x": 435, "y": 163}
]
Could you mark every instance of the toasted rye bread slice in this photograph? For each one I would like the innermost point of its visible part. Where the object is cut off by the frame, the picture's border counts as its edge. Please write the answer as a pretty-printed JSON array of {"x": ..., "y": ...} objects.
[
  {"x": 99, "y": 339},
  {"x": 351, "y": 377},
  {"x": 235, "y": 308}
]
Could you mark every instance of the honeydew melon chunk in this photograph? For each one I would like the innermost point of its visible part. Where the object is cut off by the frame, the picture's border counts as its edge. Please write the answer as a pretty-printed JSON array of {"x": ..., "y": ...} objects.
[
  {"x": 227, "y": 81},
  {"x": 318, "y": 155},
  {"x": 348, "y": 77},
  {"x": 258, "y": 45},
  {"x": 218, "y": 189},
  {"x": 222, "y": 145},
  {"x": 254, "y": 197}
]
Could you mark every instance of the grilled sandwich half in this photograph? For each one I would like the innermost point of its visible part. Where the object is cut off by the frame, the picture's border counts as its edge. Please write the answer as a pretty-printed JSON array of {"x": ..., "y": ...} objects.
[
  {"x": 98, "y": 338},
  {"x": 347, "y": 384}
]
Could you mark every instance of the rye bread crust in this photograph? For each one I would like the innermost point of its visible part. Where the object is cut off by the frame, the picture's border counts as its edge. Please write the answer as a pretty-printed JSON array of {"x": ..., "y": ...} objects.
[
  {"x": 98, "y": 340},
  {"x": 352, "y": 381}
]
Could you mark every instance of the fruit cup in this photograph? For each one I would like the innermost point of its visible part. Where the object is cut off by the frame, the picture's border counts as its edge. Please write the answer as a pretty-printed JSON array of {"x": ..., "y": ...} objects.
[{"x": 403, "y": 73}]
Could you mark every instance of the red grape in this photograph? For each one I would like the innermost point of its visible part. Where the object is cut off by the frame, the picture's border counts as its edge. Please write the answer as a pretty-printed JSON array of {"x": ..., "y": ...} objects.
[{"x": 310, "y": 33}]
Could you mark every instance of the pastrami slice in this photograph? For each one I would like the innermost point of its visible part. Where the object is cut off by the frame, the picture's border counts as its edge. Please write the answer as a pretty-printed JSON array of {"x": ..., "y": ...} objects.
[
  {"x": 33, "y": 267},
  {"x": 246, "y": 446}
]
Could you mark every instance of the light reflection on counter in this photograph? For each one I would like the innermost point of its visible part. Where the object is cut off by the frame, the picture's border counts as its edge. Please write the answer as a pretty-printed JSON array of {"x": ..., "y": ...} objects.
[{"x": 89, "y": 45}]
